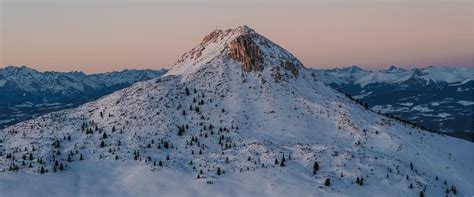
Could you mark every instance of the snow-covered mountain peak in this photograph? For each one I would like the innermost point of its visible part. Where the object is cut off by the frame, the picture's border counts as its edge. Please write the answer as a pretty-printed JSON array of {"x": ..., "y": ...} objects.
[
  {"x": 242, "y": 47},
  {"x": 393, "y": 69}
]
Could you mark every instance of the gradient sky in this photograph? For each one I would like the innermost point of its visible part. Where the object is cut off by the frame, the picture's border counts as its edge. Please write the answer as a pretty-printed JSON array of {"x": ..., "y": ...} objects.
[{"x": 105, "y": 35}]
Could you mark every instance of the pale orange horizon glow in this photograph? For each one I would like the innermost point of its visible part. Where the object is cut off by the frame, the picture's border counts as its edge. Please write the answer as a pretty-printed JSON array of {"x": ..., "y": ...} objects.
[{"x": 105, "y": 35}]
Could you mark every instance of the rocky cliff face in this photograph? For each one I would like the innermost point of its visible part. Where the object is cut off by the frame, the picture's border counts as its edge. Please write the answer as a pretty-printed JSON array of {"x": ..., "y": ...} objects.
[{"x": 247, "y": 52}]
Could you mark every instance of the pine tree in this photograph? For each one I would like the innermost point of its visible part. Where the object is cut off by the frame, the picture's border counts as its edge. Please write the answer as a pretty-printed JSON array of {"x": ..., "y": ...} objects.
[
  {"x": 315, "y": 167},
  {"x": 186, "y": 91},
  {"x": 327, "y": 182},
  {"x": 61, "y": 167},
  {"x": 282, "y": 163},
  {"x": 102, "y": 144},
  {"x": 81, "y": 157},
  {"x": 218, "y": 171},
  {"x": 42, "y": 171},
  {"x": 422, "y": 194},
  {"x": 276, "y": 161}
]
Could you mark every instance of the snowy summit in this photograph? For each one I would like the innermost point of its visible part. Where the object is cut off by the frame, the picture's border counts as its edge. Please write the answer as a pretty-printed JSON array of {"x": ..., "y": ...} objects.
[{"x": 236, "y": 116}]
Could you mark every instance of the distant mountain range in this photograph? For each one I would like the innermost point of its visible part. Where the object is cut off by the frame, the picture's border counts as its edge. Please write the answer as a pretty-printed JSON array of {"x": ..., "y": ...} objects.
[
  {"x": 28, "y": 93},
  {"x": 439, "y": 98}
]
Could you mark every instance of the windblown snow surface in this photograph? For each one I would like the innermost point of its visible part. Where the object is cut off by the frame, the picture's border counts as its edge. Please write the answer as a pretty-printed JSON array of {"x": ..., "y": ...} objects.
[{"x": 208, "y": 115}]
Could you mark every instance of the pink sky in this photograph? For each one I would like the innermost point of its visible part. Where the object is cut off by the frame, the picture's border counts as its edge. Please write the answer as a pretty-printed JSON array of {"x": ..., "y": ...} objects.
[{"x": 106, "y": 35}]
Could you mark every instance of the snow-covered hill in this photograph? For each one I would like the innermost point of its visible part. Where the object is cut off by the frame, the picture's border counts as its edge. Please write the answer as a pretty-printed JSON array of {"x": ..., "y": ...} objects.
[
  {"x": 236, "y": 116},
  {"x": 27, "y": 93},
  {"x": 439, "y": 98}
]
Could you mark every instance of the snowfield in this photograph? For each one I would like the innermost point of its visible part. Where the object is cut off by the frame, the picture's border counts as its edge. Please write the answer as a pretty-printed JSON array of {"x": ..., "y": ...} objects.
[{"x": 214, "y": 127}]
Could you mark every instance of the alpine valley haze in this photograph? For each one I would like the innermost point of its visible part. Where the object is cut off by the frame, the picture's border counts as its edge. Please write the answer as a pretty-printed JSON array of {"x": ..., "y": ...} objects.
[{"x": 237, "y": 115}]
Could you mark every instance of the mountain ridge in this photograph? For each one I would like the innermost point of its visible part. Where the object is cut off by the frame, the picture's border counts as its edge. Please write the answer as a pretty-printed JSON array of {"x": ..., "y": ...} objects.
[
  {"x": 27, "y": 93},
  {"x": 438, "y": 98}
]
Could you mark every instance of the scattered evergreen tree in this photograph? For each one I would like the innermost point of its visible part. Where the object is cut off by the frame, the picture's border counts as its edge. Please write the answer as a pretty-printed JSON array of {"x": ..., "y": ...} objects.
[
  {"x": 282, "y": 163},
  {"x": 186, "y": 90},
  {"x": 42, "y": 171},
  {"x": 454, "y": 190},
  {"x": 422, "y": 194},
  {"x": 315, "y": 167},
  {"x": 218, "y": 171},
  {"x": 102, "y": 144},
  {"x": 81, "y": 157},
  {"x": 327, "y": 182}
]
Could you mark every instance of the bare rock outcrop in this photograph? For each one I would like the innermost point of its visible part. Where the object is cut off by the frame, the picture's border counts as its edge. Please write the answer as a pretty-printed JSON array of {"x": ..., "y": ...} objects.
[{"x": 247, "y": 52}]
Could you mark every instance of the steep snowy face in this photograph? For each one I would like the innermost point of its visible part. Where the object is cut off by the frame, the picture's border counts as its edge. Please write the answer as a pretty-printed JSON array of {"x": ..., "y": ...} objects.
[{"x": 254, "y": 52}]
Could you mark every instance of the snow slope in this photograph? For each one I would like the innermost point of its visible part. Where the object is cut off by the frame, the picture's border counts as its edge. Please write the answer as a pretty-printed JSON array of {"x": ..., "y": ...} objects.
[{"x": 217, "y": 123}]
